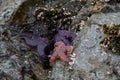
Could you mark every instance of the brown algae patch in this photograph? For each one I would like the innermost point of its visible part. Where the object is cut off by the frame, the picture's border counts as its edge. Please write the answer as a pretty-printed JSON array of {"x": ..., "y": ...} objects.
[{"x": 112, "y": 39}]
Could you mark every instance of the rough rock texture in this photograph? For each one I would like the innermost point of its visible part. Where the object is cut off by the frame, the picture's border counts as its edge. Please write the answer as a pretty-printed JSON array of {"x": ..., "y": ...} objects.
[
  {"x": 7, "y": 64},
  {"x": 17, "y": 61},
  {"x": 7, "y": 8},
  {"x": 91, "y": 62}
]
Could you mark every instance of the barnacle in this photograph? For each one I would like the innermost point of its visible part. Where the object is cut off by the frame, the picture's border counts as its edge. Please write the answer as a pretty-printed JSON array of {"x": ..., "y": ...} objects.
[
  {"x": 112, "y": 39},
  {"x": 50, "y": 17}
]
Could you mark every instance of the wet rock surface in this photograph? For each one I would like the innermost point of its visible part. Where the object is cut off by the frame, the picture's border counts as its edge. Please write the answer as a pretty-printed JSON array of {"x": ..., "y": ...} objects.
[
  {"x": 89, "y": 60},
  {"x": 92, "y": 62},
  {"x": 17, "y": 61}
]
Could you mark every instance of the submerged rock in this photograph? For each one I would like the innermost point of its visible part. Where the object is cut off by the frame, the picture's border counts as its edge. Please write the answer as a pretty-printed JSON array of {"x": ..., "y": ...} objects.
[{"x": 91, "y": 62}]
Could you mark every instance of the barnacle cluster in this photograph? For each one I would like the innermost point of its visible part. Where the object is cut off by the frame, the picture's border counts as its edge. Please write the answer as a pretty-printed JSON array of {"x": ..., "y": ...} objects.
[
  {"x": 52, "y": 15},
  {"x": 112, "y": 39}
]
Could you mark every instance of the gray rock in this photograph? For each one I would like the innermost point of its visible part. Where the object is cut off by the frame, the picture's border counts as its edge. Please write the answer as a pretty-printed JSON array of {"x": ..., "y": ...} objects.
[
  {"x": 7, "y": 8},
  {"x": 105, "y": 18},
  {"x": 16, "y": 57},
  {"x": 91, "y": 62}
]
